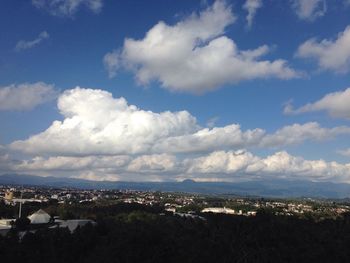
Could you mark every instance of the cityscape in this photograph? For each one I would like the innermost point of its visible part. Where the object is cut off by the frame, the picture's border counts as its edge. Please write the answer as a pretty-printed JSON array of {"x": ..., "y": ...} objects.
[{"x": 179, "y": 204}]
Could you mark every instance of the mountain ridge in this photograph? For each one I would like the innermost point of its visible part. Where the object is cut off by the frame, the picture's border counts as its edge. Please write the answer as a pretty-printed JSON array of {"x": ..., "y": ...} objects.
[{"x": 265, "y": 188}]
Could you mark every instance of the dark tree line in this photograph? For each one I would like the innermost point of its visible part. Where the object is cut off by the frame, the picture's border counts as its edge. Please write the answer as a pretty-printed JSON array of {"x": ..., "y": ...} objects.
[{"x": 136, "y": 233}]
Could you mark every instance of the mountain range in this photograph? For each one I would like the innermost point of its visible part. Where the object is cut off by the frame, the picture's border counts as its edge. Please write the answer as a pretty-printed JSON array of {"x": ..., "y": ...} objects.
[{"x": 264, "y": 188}]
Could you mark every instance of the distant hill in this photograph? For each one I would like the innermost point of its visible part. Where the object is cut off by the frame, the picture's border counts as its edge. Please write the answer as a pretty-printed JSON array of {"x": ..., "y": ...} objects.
[{"x": 266, "y": 188}]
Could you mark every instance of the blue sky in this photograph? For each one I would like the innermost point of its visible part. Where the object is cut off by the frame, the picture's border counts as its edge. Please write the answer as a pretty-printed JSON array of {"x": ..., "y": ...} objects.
[{"x": 260, "y": 97}]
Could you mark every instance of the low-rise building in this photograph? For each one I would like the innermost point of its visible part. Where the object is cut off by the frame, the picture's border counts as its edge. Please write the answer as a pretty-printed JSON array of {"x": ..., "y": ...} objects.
[{"x": 218, "y": 210}]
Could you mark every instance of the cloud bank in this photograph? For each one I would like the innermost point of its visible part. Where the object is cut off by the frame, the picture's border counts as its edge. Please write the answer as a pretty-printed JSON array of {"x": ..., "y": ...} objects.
[
  {"x": 219, "y": 165},
  {"x": 279, "y": 165},
  {"x": 105, "y": 138},
  {"x": 95, "y": 123}
]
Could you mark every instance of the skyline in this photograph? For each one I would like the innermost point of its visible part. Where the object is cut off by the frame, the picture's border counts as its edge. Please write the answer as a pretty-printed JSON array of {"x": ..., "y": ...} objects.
[{"x": 205, "y": 90}]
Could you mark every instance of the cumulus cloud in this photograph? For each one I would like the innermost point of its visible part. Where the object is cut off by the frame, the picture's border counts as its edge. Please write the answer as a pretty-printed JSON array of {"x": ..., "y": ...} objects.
[
  {"x": 251, "y": 6},
  {"x": 279, "y": 165},
  {"x": 194, "y": 55},
  {"x": 96, "y": 167},
  {"x": 95, "y": 123},
  {"x": 283, "y": 164},
  {"x": 25, "y": 96},
  {"x": 23, "y": 44},
  {"x": 298, "y": 133},
  {"x": 230, "y": 136},
  {"x": 309, "y": 10},
  {"x": 154, "y": 163},
  {"x": 5, "y": 162},
  {"x": 218, "y": 165},
  {"x": 67, "y": 7},
  {"x": 220, "y": 162},
  {"x": 68, "y": 163},
  {"x": 336, "y": 104},
  {"x": 333, "y": 55}
]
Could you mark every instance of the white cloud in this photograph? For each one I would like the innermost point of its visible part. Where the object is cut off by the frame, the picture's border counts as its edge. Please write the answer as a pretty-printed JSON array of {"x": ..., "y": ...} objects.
[
  {"x": 119, "y": 167},
  {"x": 298, "y": 133},
  {"x": 241, "y": 164},
  {"x": 95, "y": 123},
  {"x": 67, "y": 163},
  {"x": 218, "y": 165},
  {"x": 5, "y": 162},
  {"x": 251, "y": 6},
  {"x": 211, "y": 122},
  {"x": 67, "y": 7},
  {"x": 154, "y": 163},
  {"x": 220, "y": 162},
  {"x": 112, "y": 63},
  {"x": 23, "y": 45},
  {"x": 345, "y": 152},
  {"x": 309, "y": 9},
  {"x": 331, "y": 55},
  {"x": 25, "y": 96},
  {"x": 336, "y": 104},
  {"x": 194, "y": 55},
  {"x": 230, "y": 136},
  {"x": 284, "y": 165}
]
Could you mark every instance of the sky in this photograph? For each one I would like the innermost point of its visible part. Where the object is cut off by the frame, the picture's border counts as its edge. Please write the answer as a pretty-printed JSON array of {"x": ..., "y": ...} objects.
[{"x": 161, "y": 90}]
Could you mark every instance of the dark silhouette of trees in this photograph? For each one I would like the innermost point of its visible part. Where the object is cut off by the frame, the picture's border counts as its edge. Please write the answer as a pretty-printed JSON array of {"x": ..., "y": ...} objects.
[
  {"x": 22, "y": 223},
  {"x": 137, "y": 233}
]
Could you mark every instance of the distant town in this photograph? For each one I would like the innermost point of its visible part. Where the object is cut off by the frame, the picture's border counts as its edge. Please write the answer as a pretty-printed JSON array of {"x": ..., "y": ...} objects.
[
  {"x": 36, "y": 220},
  {"x": 178, "y": 204}
]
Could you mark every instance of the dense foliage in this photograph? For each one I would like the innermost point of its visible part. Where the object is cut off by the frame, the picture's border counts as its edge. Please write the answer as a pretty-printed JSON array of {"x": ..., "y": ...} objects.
[{"x": 136, "y": 233}]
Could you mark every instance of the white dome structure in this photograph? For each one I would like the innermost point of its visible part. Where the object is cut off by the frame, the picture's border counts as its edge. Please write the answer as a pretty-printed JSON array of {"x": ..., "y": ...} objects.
[{"x": 39, "y": 217}]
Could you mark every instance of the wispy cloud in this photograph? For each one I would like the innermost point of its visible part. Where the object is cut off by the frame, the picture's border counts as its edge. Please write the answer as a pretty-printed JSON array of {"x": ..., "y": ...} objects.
[
  {"x": 67, "y": 7},
  {"x": 336, "y": 104},
  {"x": 332, "y": 55},
  {"x": 251, "y": 6},
  {"x": 309, "y": 10},
  {"x": 111, "y": 62},
  {"x": 24, "y": 44},
  {"x": 345, "y": 152},
  {"x": 26, "y": 96}
]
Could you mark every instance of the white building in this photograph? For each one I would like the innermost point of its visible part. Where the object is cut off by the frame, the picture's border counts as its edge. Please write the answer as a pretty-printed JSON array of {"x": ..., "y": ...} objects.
[
  {"x": 40, "y": 217},
  {"x": 219, "y": 210},
  {"x": 5, "y": 226},
  {"x": 7, "y": 222}
]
